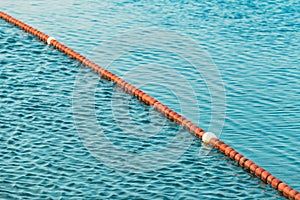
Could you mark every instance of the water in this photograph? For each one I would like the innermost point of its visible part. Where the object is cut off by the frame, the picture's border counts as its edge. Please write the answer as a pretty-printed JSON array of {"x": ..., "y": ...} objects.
[{"x": 44, "y": 154}]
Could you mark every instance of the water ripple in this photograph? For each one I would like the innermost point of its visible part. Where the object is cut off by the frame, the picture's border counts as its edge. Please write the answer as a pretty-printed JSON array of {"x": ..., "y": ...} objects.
[{"x": 254, "y": 44}]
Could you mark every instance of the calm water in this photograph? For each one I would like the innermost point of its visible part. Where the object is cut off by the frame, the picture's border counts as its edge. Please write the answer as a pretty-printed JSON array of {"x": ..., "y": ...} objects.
[{"x": 54, "y": 112}]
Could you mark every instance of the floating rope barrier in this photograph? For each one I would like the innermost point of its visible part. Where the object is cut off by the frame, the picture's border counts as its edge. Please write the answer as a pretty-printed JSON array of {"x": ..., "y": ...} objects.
[{"x": 206, "y": 137}]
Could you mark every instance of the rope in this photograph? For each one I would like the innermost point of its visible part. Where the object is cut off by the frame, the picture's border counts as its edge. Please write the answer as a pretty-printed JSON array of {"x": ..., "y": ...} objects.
[{"x": 206, "y": 137}]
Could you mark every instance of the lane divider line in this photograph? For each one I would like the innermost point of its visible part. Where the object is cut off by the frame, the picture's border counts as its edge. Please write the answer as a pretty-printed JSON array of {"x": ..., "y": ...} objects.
[{"x": 206, "y": 137}]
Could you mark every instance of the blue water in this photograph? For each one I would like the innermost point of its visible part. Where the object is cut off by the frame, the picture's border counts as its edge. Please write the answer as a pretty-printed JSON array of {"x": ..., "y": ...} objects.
[{"x": 51, "y": 145}]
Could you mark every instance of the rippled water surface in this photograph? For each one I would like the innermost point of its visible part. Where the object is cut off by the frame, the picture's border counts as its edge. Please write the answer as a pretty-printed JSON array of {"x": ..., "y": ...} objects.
[{"x": 65, "y": 133}]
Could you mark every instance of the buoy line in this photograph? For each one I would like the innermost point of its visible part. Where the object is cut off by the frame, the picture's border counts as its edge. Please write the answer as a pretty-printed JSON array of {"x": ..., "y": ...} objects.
[{"x": 206, "y": 137}]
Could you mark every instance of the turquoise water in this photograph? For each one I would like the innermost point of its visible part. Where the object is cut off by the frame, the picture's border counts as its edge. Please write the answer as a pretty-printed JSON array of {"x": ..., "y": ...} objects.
[{"x": 44, "y": 152}]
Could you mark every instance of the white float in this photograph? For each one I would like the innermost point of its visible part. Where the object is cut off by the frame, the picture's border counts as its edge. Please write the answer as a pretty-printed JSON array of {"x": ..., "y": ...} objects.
[
  {"x": 49, "y": 40},
  {"x": 208, "y": 136}
]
